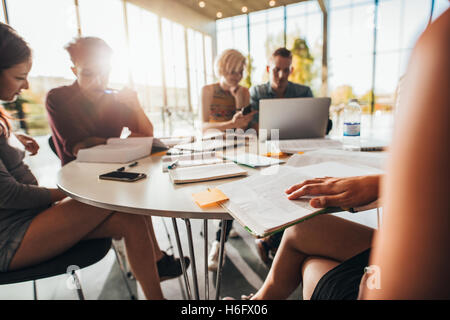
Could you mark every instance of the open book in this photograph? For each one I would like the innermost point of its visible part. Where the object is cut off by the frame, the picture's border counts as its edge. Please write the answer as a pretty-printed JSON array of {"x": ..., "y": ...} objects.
[
  {"x": 117, "y": 150},
  {"x": 259, "y": 202}
]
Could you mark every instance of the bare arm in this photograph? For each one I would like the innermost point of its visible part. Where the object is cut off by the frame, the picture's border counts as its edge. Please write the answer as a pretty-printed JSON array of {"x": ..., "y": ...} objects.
[
  {"x": 238, "y": 121},
  {"x": 412, "y": 248}
]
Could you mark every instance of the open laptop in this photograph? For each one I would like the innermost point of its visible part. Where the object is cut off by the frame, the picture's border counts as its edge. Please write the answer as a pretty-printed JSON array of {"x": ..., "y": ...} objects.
[{"x": 295, "y": 118}]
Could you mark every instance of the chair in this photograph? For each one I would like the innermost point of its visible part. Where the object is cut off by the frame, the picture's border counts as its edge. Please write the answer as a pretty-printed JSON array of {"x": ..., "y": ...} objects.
[{"x": 82, "y": 255}]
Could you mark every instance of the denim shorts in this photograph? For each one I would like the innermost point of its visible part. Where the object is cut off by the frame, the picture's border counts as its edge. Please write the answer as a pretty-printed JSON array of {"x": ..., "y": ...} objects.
[{"x": 11, "y": 235}]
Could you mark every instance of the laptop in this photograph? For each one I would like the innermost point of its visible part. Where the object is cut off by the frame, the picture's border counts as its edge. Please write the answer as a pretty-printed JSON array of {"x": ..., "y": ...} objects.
[{"x": 295, "y": 118}]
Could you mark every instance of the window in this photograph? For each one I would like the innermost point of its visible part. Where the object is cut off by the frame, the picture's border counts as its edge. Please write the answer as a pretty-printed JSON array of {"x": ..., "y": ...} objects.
[
  {"x": 51, "y": 63},
  {"x": 197, "y": 73},
  {"x": 105, "y": 19},
  {"x": 175, "y": 65},
  {"x": 145, "y": 57},
  {"x": 2, "y": 14}
]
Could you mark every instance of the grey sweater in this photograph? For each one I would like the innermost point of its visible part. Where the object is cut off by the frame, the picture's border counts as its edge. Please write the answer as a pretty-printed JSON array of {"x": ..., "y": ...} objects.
[{"x": 20, "y": 196}]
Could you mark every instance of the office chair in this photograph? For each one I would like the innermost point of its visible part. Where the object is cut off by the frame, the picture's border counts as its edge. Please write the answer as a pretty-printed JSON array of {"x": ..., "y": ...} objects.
[{"x": 82, "y": 255}]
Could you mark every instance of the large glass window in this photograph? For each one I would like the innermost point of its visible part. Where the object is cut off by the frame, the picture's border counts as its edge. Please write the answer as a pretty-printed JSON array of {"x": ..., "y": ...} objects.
[
  {"x": 105, "y": 19},
  {"x": 175, "y": 65},
  {"x": 2, "y": 14},
  {"x": 145, "y": 57}
]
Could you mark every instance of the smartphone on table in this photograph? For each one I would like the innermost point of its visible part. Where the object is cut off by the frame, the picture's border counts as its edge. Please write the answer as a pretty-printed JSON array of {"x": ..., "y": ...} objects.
[{"x": 123, "y": 176}]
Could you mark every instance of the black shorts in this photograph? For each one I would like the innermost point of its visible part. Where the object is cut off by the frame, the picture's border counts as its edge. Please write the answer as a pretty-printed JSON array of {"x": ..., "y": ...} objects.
[{"x": 342, "y": 282}]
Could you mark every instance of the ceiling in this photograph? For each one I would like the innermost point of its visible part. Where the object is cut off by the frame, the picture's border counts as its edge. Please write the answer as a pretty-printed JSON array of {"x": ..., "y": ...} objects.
[{"x": 229, "y": 8}]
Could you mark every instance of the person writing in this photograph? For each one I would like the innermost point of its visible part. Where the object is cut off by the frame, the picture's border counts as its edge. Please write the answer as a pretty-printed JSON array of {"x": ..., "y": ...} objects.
[{"x": 87, "y": 113}]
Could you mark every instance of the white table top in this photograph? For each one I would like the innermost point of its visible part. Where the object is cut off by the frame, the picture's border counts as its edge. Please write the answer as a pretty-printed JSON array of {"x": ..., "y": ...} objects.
[{"x": 156, "y": 195}]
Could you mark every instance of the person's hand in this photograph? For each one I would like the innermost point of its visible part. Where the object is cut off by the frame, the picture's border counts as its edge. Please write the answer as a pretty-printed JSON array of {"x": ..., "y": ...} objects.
[
  {"x": 128, "y": 97},
  {"x": 240, "y": 121},
  {"x": 28, "y": 142},
  {"x": 337, "y": 192},
  {"x": 241, "y": 95}
]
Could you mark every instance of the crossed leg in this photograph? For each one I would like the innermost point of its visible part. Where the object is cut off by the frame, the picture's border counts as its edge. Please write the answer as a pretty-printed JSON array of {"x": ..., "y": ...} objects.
[
  {"x": 60, "y": 227},
  {"x": 310, "y": 249}
]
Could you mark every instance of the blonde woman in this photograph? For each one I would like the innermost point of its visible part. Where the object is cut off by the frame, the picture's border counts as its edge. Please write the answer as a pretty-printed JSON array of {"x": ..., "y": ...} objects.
[
  {"x": 222, "y": 101},
  {"x": 222, "y": 105}
]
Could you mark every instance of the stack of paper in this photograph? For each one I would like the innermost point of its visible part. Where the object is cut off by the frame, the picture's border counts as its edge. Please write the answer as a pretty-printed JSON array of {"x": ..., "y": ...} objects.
[
  {"x": 190, "y": 160},
  {"x": 117, "y": 150}
]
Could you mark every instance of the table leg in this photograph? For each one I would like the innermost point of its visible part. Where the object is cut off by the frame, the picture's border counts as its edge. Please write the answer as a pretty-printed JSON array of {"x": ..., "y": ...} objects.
[
  {"x": 205, "y": 237},
  {"x": 191, "y": 252},
  {"x": 219, "y": 268},
  {"x": 180, "y": 253}
]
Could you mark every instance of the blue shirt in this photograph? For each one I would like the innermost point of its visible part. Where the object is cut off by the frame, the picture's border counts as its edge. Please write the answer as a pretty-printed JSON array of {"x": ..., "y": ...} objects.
[{"x": 265, "y": 91}]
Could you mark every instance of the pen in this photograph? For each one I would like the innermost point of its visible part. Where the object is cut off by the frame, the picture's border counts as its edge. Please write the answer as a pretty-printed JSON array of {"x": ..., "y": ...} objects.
[
  {"x": 173, "y": 164},
  {"x": 130, "y": 165}
]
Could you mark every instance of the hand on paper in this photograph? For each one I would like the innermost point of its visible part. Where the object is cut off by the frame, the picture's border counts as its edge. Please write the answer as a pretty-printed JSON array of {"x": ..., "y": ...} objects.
[{"x": 337, "y": 192}]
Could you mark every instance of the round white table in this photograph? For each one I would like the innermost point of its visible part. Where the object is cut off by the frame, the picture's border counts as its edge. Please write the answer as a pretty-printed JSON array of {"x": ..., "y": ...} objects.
[{"x": 154, "y": 196}]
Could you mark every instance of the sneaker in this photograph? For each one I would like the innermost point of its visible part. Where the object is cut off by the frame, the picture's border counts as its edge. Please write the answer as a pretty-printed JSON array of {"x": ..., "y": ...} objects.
[
  {"x": 169, "y": 267},
  {"x": 213, "y": 257}
]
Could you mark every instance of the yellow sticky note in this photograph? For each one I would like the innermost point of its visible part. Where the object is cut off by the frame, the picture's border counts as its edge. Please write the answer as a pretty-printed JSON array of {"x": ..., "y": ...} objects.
[{"x": 209, "y": 197}]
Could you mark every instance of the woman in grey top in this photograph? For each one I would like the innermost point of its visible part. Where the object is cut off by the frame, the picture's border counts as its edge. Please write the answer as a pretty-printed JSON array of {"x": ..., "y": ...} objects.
[{"x": 37, "y": 223}]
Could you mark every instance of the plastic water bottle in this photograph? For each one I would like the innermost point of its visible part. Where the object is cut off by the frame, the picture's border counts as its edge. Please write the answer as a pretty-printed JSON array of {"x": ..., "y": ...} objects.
[{"x": 352, "y": 126}]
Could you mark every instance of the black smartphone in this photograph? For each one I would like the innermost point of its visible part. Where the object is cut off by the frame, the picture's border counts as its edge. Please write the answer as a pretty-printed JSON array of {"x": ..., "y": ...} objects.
[
  {"x": 123, "y": 176},
  {"x": 247, "y": 110}
]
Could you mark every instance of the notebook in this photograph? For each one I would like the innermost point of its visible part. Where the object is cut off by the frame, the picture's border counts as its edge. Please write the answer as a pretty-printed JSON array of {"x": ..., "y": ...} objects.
[
  {"x": 206, "y": 172},
  {"x": 117, "y": 150},
  {"x": 190, "y": 160},
  {"x": 259, "y": 202}
]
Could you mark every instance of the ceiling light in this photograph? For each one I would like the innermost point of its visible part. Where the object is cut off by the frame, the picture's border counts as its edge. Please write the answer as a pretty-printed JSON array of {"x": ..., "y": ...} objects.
[
  {"x": 219, "y": 14},
  {"x": 272, "y": 3},
  {"x": 244, "y": 9},
  {"x": 202, "y": 4}
]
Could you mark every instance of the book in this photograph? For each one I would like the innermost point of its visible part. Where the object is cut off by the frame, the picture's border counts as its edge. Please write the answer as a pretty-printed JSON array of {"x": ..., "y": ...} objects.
[
  {"x": 206, "y": 172},
  {"x": 259, "y": 202},
  {"x": 117, "y": 150}
]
